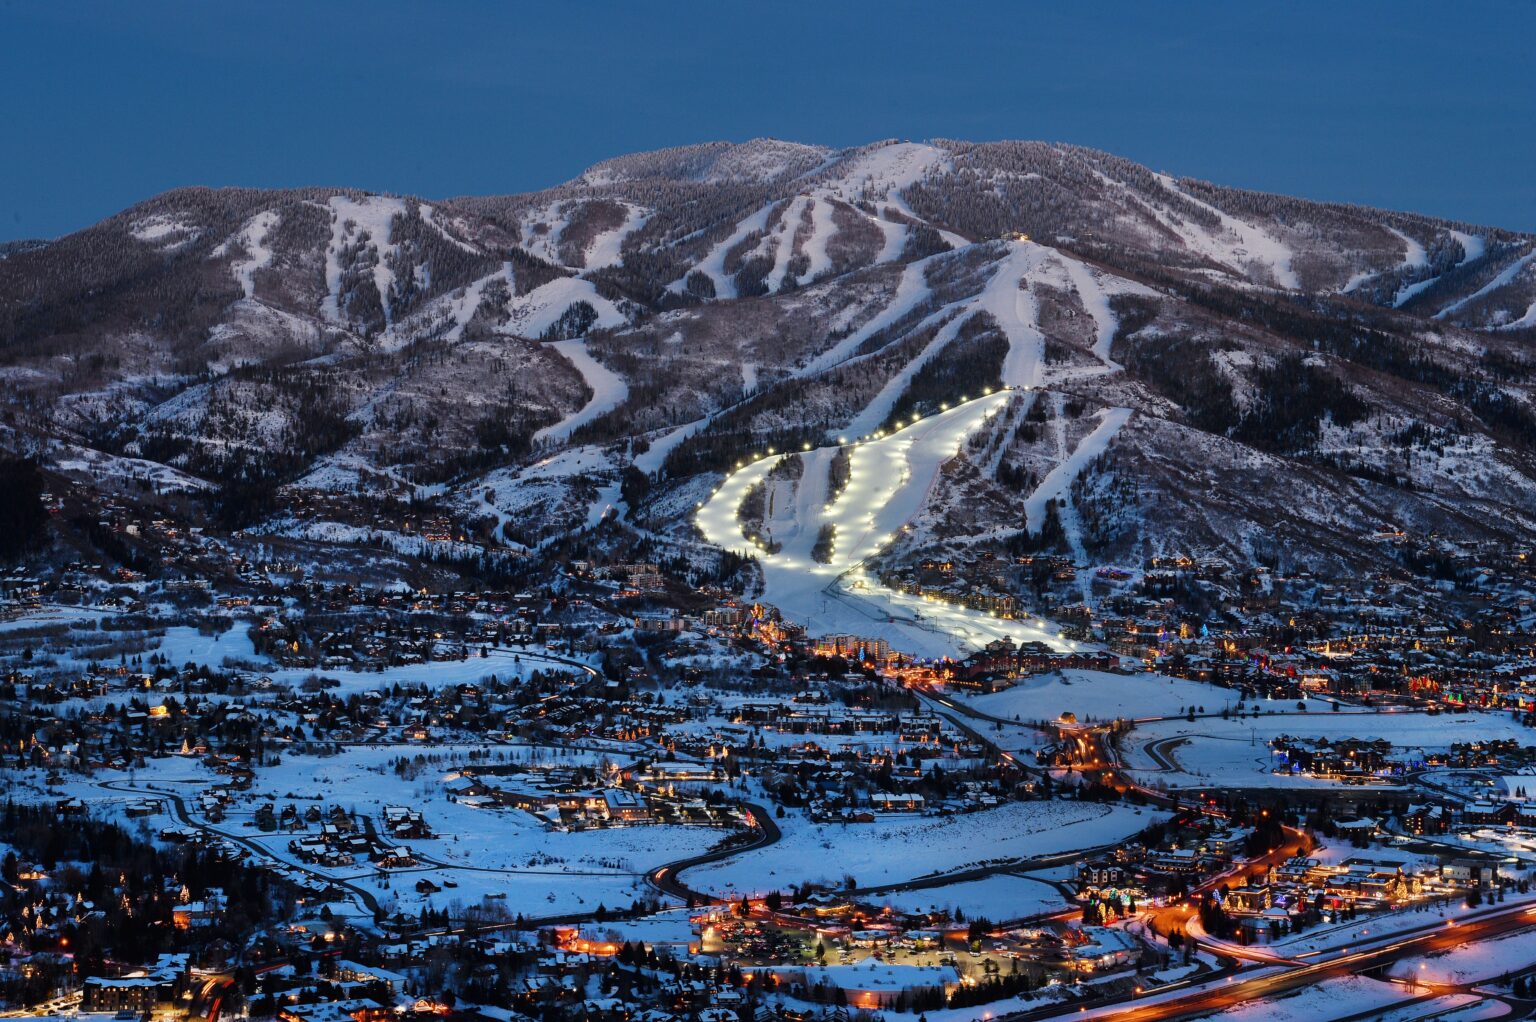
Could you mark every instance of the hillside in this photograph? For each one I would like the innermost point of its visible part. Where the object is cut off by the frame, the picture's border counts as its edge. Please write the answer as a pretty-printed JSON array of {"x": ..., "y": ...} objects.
[{"x": 1196, "y": 370}]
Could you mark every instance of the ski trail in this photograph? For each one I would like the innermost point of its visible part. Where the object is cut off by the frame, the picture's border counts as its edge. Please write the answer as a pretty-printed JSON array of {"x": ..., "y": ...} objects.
[
  {"x": 608, "y": 391},
  {"x": 1508, "y": 274},
  {"x": 253, "y": 239},
  {"x": 1256, "y": 243},
  {"x": 810, "y": 504},
  {"x": 911, "y": 290},
  {"x": 1414, "y": 256},
  {"x": 1472, "y": 246},
  {"x": 463, "y": 309},
  {"x": 1096, "y": 302},
  {"x": 713, "y": 265},
  {"x": 1013, "y": 309},
  {"x": 784, "y": 247},
  {"x": 822, "y": 230},
  {"x": 889, "y": 481},
  {"x": 1059, "y": 481},
  {"x": 875, "y": 413},
  {"x": 656, "y": 455},
  {"x": 1020, "y": 408},
  {"x": 895, "y": 238},
  {"x": 607, "y": 248}
]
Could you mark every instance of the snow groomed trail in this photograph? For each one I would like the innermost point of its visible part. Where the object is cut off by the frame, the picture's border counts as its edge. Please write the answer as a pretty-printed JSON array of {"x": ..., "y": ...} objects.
[
  {"x": 889, "y": 478},
  {"x": 608, "y": 391}
]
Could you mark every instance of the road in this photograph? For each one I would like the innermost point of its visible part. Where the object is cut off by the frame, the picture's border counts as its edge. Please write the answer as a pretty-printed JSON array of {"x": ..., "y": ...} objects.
[
  {"x": 665, "y": 877},
  {"x": 1214, "y": 997}
]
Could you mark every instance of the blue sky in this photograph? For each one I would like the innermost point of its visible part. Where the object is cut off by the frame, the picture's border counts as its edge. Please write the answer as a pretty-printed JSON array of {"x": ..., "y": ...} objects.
[{"x": 1422, "y": 106}]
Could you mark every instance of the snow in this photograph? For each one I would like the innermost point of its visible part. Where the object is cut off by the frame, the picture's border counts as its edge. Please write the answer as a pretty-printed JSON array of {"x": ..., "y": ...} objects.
[
  {"x": 822, "y": 230},
  {"x": 429, "y": 214},
  {"x": 1528, "y": 318},
  {"x": 607, "y": 248},
  {"x": 1407, "y": 291},
  {"x": 1235, "y": 752},
  {"x": 1002, "y": 897},
  {"x": 1097, "y": 695},
  {"x": 538, "y": 310},
  {"x": 911, "y": 291},
  {"x": 881, "y": 853},
  {"x": 1357, "y": 279},
  {"x": 1059, "y": 481},
  {"x": 1014, "y": 310},
  {"x": 482, "y": 851},
  {"x": 1473, "y": 246},
  {"x": 1475, "y": 962},
  {"x": 183, "y": 644},
  {"x": 608, "y": 392},
  {"x": 655, "y": 455},
  {"x": 887, "y": 171},
  {"x": 350, "y": 219},
  {"x": 1340, "y": 998},
  {"x": 462, "y": 308},
  {"x": 100, "y": 465},
  {"x": 252, "y": 238},
  {"x": 1243, "y": 243},
  {"x": 1508, "y": 274},
  {"x": 877, "y": 976},
  {"x": 875, "y": 413},
  {"x": 161, "y": 227},
  {"x": 544, "y": 244},
  {"x": 713, "y": 265},
  {"x": 1096, "y": 301},
  {"x": 1414, "y": 256}
]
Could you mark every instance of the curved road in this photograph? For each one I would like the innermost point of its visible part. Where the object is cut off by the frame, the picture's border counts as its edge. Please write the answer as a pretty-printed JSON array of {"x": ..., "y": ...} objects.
[{"x": 665, "y": 877}]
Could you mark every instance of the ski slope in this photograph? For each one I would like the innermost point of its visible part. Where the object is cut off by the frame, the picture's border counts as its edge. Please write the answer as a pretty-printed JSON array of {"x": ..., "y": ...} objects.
[
  {"x": 1508, "y": 274},
  {"x": 1060, "y": 479},
  {"x": 889, "y": 479},
  {"x": 258, "y": 254},
  {"x": 608, "y": 392}
]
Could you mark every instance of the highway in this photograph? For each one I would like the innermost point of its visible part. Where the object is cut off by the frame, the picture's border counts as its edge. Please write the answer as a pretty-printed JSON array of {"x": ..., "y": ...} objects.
[{"x": 1211, "y": 997}]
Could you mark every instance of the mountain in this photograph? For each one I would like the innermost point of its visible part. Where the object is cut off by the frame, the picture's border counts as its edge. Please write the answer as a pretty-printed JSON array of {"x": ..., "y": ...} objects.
[{"x": 1198, "y": 370}]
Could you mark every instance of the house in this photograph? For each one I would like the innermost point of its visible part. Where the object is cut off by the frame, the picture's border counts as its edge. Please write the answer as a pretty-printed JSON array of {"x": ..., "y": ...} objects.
[{"x": 1250, "y": 899}]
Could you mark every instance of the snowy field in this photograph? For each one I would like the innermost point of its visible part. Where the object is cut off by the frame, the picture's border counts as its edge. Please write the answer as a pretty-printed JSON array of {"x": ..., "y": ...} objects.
[
  {"x": 1211, "y": 751},
  {"x": 1098, "y": 695},
  {"x": 998, "y": 898},
  {"x": 504, "y": 853},
  {"x": 182, "y": 644},
  {"x": 894, "y": 850}
]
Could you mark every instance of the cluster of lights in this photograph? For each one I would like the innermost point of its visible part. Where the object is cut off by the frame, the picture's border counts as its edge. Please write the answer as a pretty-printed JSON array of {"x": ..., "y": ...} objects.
[{"x": 883, "y": 455}]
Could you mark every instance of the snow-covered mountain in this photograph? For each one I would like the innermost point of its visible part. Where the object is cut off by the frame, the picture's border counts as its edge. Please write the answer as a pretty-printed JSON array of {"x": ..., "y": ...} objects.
[{"x": 1197, "y": 369}]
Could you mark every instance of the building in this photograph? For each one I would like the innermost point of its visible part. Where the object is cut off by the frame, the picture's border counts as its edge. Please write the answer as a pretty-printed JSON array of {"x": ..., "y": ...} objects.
[{"x": 137, "y": 995}]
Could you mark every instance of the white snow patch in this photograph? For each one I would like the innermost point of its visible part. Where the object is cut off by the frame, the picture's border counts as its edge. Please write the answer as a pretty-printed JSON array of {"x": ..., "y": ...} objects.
[
  {"x": 252, "y": 239},
  {"x": 1060, "y": 478},
  {"x": 607, "y": 248}
]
